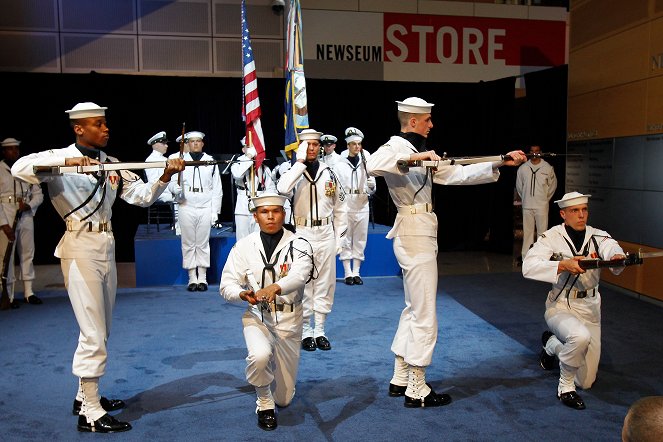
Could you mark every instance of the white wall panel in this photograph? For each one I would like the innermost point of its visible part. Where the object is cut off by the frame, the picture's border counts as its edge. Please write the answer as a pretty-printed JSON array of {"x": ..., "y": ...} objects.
[
  {"x": 176, "y": 54},
  {"x": 91, "y": 52},
  {"x": 107, "y": 16},
  {"x": 29, "y": 52},
  {"x": 168, "y": 17},
  {"x": 29, "y": 15}
]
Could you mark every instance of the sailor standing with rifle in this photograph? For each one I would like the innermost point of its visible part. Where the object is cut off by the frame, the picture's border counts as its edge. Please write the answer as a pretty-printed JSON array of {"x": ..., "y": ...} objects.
[
  {"x": 18, "y": 203},
  {"x": 358, "y": 186},
  {"x": 415, "y": 242},
  {"x": 199, "y": 196},
  {"x": 87, "y": 249},
  {"x": 573, "y": 306}
]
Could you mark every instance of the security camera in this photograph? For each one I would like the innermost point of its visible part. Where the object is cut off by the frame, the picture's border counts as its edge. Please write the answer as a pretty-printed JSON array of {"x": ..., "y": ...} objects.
[{"x": 278, "y": 5}]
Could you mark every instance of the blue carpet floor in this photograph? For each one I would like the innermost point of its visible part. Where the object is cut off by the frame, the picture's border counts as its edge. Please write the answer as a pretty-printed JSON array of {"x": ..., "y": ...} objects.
[{"x": 177, "y": 358}]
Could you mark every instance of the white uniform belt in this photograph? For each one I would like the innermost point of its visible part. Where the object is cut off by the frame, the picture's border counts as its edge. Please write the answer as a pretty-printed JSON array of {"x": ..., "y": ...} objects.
[
  {"x": 579, "y": 294},
  {"x": 13, "y": 199},
  {"x": 355, "y": 191},
  {"x": 301, "y": 221},
  {"x": 88, "y": 226},
  {"x": 283, "y": 307},
  {"x": 415, "y": 208},
  {"x": 196, "y": 189}
]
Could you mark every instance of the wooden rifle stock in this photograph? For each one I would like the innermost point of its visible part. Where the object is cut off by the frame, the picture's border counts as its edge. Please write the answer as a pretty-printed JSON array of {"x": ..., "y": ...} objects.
[
  {"x": 630, "y": 260},
  {"x": 5, "y": 304}
]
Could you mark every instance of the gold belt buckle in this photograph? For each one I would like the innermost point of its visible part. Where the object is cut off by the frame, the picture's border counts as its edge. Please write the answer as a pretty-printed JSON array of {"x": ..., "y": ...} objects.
[{"x": 316, "y": 222}]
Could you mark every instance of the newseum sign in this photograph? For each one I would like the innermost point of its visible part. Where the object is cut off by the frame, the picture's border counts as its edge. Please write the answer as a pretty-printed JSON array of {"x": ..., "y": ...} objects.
[{"x": 410, "y": 47}]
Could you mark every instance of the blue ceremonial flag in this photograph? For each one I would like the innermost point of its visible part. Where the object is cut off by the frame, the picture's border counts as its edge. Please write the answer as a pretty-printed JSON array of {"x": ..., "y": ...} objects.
[
  {"x": 251, "y": 109},
  {"x": 296, "y": 109}
]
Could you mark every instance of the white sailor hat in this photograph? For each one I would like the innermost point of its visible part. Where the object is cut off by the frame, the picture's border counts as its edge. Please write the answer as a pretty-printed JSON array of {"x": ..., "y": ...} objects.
[
  {"x": 159, "y": 137},
  {"x": 309, "y": 134},
  {"x": 572, "y": 199},
  {"x": 328, "y": 139},
  {"x": 269, "y": 199},
  {"x": 243, "y": 141},
  {"x": 10, "y": 142},
  {"x": 86, "y": 110},
  {"x": 414, "y": 105},
  {"x": 194, "y": 134},
  {"x": 353, "y": 134}
]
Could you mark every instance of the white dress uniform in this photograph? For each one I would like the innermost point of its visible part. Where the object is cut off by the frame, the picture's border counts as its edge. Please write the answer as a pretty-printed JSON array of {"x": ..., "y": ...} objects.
[
  {"x": 153, "y": 175},
  {"x": 536, "y": 185},
  {"x": 321, "y": 218},
  {"x": 272, "y": 337},
  {"x": 573, "y": 319},
  {"x": 12, "y": 192},
  {"x": 199, "y": 207},
  {"x": 278, "y": 172},
  {"x": 331, "y": 159},
  {"x": 415, "y": 240},
  {"x": 87, "y": 248},
  {"x": 357, "y": 186},
  {"x": 241, "y": 172}
]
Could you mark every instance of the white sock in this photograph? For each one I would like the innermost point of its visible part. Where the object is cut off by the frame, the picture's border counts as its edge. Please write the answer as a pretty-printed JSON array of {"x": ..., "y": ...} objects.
[
  {"x": 27, "y": 289},
  {"x": 416, "y": 383},
  {"x": 319, "y": 324},
  {"x": 193, "y": 279},
  {"x": 553, "y": 346},
  {"x": 307, "y": 331},
  {"x": 346, "y": 267},
  {"x": 566, "y": 376},
  {"x": 91, "y": 408},
  {"x": 401, "y": 370},
  {"x": 356, "y": 265},
  {"x": 265, "y": 400},
  {"x": 202, "y": 275}
]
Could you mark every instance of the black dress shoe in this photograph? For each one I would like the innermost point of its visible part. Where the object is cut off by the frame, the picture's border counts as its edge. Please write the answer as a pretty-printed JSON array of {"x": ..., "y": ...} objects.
[
  {"x": 572, "y": 399},
  {"x": 106, "y": 404},
  {"x": 357, "y": 280},
  {"x": 267, "y": 420},
  {"x": 432, "y": 400},
  {"x": 32, "y": 299},
  {"x": 308, "y": 344},
  {"x": 202, "y": 286},
  {"x": 350, "y": 280},
  {"x": 397, "y": 390},
  {"x": 105, "y": 424},
  {"x": 15, "y": 304},
  {"x": 193, "y": 287},
  {"x": 322, "y": 343},
  {"x": 546, "y": 361}
]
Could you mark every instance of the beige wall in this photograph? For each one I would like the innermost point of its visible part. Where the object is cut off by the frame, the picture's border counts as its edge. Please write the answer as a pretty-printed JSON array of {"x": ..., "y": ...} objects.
[{"x": 616, "y": 90}]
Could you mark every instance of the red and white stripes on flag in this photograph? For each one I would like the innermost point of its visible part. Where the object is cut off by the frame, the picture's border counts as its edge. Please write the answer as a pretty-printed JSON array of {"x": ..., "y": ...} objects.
[{"x": 251, "y": 109}]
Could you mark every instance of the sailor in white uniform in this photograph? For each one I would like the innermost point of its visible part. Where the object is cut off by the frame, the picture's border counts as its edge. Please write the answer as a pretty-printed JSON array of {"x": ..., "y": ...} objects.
[
  {"x": 18, "y": 198},
  {"x": 321, "y": 218},
  {"x": 87, "y": 249},
  {"x": 573, "y": 306},
  {"x": 268, "y": 269},
  {"x": 199, "y": 198},
  {"x": 536, "y": 184},
  {"x": 415, "y": 243},
  {"x": 159, "y": 144},
  {"x": 358, "y": 186},
  {"x": 262, "y": 182},
  {"x": 329, "y": 155}
]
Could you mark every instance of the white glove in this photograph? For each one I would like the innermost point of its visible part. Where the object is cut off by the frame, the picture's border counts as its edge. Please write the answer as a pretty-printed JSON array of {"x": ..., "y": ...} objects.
[
  {"x": 301, "y": 151},
  {"x": 175, "y": 189},
  {"x": 250, "y": 152}
]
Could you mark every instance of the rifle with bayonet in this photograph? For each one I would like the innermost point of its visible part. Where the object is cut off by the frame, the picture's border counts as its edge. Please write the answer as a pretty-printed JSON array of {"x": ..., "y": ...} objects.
[
  {"x": 5, "y": 303},
  {"x": 105, "y": 167},
  {"x": 450, "y": 161},
  {"x": 631, "y": 259}
]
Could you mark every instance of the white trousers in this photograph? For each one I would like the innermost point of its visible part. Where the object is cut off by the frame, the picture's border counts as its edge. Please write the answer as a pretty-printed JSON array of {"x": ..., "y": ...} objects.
[
  {"x": 91, "y": 285},
  {"x": 244, "y": 226},
  {"x": 319, "y": 292},
  {"x": 533, "y": 218},
  {"x": 417, "y": 328},
  {"x": 273, "y": 352},
  {"x": 355, "y": 243},
  {"x": 195, "y": 225},
  {"x": 25, "y": 245},
  {"x": 579, "y": 330}
]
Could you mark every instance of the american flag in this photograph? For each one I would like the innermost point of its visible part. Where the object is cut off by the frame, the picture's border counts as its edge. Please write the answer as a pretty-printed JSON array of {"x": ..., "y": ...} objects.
[{"x": 251, "y": 108}]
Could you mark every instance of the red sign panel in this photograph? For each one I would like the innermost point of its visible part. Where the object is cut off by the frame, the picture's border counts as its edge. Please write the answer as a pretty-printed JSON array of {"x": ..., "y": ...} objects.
[{"x": 439, "y": 39}]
